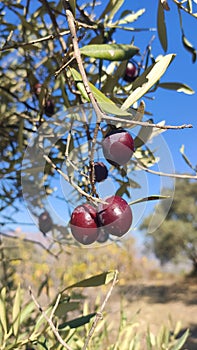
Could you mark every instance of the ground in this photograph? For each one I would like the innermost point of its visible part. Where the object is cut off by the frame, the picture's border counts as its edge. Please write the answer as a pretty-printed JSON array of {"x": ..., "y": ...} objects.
[{"x": 160, "y": 302}]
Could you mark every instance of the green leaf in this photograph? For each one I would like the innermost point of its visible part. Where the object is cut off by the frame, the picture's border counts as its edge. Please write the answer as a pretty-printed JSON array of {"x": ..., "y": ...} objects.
[
  {"x": 151, "y": 75},
  {"x": 3, "y": 317},
  {"x": 26, "y": 311},
  {"x": 112, "y": 7},
  {"x": 181, "y": 341},
  {"x": 77, "y": 322},
  {"x": 16, "y": 311},
  {"x": 106, "y": 104},
  {"x": 189, "y": 5},
  {"x": 161, "y": 27},
  {"x": 149, "y": 198},
  {"x": 179, "y": 87},
  {"x": 182, "y": 150},
  {"x": 130, "y": 18},
  {"x": 72, "y": 4},
  {"x": 177, "y": 329},
  {"x": 110, "y": 52},
  {"x": 94, "y": 281},
  {"x": 189, "y": 47},
  {"x": 65, "y": 307}
]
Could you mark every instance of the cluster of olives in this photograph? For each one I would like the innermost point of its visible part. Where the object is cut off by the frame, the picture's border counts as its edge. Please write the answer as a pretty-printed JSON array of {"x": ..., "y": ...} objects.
[{"x": 113, "y": 215}]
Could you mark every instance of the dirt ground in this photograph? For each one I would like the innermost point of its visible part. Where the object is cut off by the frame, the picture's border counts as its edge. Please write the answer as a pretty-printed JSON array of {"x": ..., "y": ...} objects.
[{"x": 161, "y": 302}]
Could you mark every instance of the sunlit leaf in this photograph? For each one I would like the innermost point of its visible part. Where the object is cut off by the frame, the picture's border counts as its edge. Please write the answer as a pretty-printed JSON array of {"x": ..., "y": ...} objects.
[
  {"x": 182, "y": 151},
  {"x": 110, "y": 52},
  {"x": 3, "y": 316},
  {"x": 179, "y": 87},
  {"x": 178, "y": 328},
  {"x": 189, "y": 47},
  {"x": 161, "y": 27},
  {"x": 16, "y": 311},
  {"x": 107, "y": 105},
  {"x": 130, "y": 18},
  {"x": 112, "y": 7},
  {"x": 189, "y": 5},
  {"x": 181, "y": 341},
  {"x": 26, "y": 311},
  {"x": 142, "y": 84}
]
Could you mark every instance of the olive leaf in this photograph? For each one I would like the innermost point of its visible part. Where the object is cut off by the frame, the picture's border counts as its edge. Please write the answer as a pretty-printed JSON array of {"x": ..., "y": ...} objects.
[
  {"x": 112, "y": 7},
  {"x": 189, "y": 47},
  {"x": 161, "y": 27},
  {"x": 179, "y": 87},
  {"x": 150, "y": 76},
  {"x": 110, "y": 52},
  {"x": 149, "y": 198}
]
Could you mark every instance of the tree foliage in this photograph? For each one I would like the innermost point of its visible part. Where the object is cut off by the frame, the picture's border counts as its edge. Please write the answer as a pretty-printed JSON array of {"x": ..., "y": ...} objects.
[
  {"x": 40, "y": 76},
  {"x": 62, "y": 86},
  {"x": 176, "y": 237}
]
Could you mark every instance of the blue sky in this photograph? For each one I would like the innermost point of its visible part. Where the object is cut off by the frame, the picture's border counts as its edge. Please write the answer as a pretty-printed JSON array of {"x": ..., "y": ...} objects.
[{"x": 175, "y": 108}]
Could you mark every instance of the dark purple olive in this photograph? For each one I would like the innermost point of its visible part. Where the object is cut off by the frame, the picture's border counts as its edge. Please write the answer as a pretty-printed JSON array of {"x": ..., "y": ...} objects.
[
  {"x": 84, "y": 224},
  {"x": 118, "y": 147},
  {"x": 45, "y": 222},
  {"x": 116, "y": 216}
]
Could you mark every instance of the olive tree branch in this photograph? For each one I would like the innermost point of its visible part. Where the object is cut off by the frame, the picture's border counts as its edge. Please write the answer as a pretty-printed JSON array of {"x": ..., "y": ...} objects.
[
  {"x": 70, "y": 180},
  {"x": 56, "y": 27},
  {"x": 135, "y": 122},
  {"x": 70, "y": 162},
  {"x": 180, "y": 6},
  {"x": 99, "y": 314},
  {"x": 71, "y": 24},
  {"x": 49, "y": 319},
  {"x": 16, "y": 45},
  {"x": 141, "y": 166}
]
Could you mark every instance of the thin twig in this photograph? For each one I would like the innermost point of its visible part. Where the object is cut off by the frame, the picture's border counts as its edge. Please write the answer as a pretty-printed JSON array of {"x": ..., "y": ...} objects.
[
  {"x": 16, "y": 45},
  {"x": 178, "y": 176},
  {"x": 70, "y": 162},
  {"x": 135, "y": 122},
  {"x": 55, "y": 25},
  {"x": 99, "y": 314},
  {"x": 92, "y": 172},
  {"x": 49, "y": 321},
  {"x": 55, "y": 306},
  {"x": 71, "y": 24},
  {"x": 70, "y": 180},
  {"x": 57, "y": 72}
]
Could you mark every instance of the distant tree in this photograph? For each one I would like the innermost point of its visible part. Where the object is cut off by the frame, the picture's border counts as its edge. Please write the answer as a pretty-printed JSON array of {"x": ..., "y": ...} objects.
[{"x": 176, "y": 238}]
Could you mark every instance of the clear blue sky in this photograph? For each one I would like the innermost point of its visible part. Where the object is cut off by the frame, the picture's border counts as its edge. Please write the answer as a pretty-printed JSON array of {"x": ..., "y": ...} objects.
[{"x": 175, "y": 108}]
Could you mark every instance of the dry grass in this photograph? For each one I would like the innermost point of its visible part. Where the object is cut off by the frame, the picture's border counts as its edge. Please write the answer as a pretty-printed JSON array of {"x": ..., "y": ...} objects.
[{"x": 159, "y": 302}]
